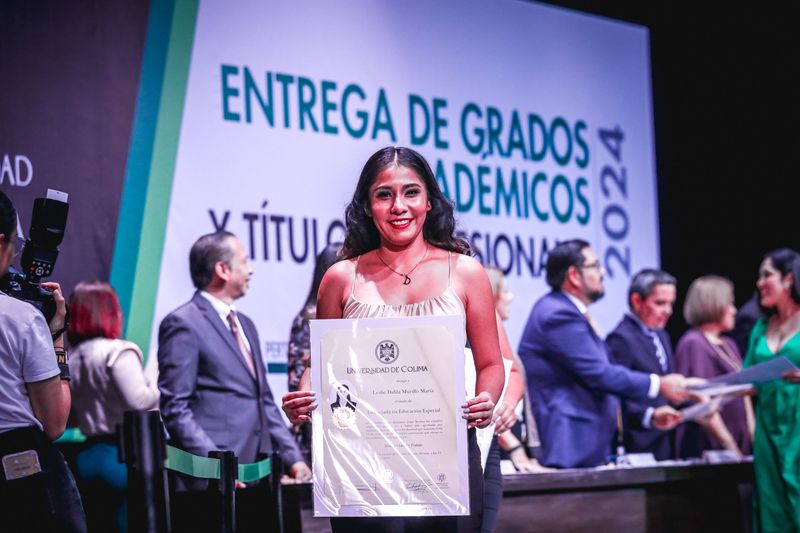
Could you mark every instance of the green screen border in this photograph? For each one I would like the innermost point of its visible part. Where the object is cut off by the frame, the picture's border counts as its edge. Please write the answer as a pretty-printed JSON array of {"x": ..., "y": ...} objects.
[{"x": 144, "y": 208}]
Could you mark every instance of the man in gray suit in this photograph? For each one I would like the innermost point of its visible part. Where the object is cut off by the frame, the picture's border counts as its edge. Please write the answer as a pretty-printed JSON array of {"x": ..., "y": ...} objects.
[{"x": 214, "y": 391}]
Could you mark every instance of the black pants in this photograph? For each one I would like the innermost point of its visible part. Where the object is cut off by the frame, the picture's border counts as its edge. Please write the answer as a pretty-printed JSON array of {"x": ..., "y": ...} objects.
[
  {"x": 44, "y": 502},
  {"x": 492, "y": 488}
]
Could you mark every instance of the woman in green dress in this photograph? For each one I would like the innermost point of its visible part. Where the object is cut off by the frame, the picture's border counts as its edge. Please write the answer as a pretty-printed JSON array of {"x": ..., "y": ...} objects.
[{"x": 777, "y": 404}]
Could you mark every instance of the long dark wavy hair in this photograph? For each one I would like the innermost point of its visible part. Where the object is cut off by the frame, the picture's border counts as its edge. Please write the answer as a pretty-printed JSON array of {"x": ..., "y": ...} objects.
[
  {"x": 786, "y": 261},
  {"x": 325, "y": 260},
  {"x": 440, "y": 224}
]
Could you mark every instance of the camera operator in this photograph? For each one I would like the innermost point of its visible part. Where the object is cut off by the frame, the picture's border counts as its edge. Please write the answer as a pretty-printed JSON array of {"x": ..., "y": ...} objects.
[{"x": 37, "y": 490}]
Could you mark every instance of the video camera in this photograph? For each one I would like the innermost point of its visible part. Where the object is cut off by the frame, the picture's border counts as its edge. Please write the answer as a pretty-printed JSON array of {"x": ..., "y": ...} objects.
[{"x": 39, "y": 254}]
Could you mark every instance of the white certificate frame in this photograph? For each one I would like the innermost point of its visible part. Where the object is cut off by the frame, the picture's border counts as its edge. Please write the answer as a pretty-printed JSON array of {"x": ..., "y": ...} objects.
[{"x": 358, "y": 463}]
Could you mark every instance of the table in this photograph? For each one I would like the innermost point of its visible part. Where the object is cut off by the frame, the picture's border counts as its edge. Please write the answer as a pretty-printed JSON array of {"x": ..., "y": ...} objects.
[{"x": 663, "y": 498}]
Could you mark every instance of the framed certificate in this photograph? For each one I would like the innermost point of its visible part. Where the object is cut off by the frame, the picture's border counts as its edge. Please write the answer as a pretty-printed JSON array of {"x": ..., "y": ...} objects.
[{"x": 388, "y": 437}]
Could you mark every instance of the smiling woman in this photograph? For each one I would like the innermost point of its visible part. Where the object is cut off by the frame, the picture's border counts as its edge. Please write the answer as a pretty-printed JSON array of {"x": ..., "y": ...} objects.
[
  {"x": 399, "y": 261},
  {"x": 398, "y": 206},
  {"x": 439, "y": 224},
  {"x": 776, "y": 449}
]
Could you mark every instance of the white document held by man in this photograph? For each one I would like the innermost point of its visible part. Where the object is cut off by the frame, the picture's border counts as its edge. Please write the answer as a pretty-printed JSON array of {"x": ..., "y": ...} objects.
[
  {"x": 736, "y": 382},
  {"x": 388, "y": 437},
  {"x": 703, "y": 409}
]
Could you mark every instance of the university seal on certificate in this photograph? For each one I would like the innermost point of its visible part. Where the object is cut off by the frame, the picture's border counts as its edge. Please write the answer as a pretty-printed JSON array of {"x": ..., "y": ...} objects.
[
  {"x": 393, "y": 442},
  {"x": 344, "y": 417},
  {"x": 387, "y": 352}
]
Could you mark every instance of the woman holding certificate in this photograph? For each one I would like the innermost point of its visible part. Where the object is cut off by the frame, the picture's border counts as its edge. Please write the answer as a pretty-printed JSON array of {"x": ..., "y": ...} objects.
[
  {"x": 776, "y": 446},
  {"x": 401, "y": 259}
]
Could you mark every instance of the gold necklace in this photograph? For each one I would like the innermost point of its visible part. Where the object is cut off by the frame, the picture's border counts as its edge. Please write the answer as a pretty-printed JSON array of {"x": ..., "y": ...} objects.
[{"x": 407, "y": 279}]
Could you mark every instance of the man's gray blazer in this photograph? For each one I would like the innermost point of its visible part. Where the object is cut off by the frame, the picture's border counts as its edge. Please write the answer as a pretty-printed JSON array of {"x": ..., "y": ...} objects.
[{"x": 209, "y": 399}]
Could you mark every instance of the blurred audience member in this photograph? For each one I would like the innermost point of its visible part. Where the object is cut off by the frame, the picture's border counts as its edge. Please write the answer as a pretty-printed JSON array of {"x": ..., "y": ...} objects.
[
  {"x": 505, "y": 416},
  {"x": 704, "y": 352},
  {"x": 640, "y": 343},
  {"x": 517, "y": 450},
  {"x": 776, "y": 446},
  {"x": 299, "y": 355},
  {"x": 107, "y": 380}
]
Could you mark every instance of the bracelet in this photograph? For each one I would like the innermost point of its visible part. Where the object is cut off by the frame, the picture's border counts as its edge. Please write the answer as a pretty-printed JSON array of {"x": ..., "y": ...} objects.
[
  {"x": 61, "y": 356},
  {"x": 63, "y": 366},
  {"x": 515, "y": 448}
]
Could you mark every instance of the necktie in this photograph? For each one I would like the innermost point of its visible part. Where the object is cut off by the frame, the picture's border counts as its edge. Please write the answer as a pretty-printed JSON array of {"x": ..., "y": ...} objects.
[
  {"x": 592, "y": 323},
  {"x": 248, "y": 357},
  {"x": 660, "y": 353}
]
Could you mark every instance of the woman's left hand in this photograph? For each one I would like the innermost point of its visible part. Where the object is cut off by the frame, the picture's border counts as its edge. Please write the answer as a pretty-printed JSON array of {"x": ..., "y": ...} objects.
[
  {"x": 504, "y": 417},
  {"x": 478, "y": 410}
]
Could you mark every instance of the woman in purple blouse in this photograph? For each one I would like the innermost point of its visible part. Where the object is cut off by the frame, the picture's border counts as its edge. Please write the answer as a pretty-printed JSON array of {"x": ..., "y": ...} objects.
[{"x": 704, "y": 352}]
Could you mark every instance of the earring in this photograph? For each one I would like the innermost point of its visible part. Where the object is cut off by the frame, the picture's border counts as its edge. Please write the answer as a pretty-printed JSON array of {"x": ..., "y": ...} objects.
[{"x": 786, "y": 284}]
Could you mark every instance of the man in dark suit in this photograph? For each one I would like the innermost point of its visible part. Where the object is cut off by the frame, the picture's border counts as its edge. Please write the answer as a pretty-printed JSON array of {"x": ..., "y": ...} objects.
[
  {"x": 640, "y": 343},
  {"x": 572, "y": 384},
  {"x": 214, "y": 391}
]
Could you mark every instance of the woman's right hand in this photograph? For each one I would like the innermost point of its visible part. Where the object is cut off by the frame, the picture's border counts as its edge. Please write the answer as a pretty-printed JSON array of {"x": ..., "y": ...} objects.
[
  {"x": 298, "y": 406},
  {"x": 791, "y": 376},
  {"x": 478, "y": 410}
]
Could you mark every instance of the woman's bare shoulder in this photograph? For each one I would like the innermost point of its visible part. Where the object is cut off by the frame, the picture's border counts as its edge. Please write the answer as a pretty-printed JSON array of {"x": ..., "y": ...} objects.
[
  {"x": 339, "y": 273},
  {"x": 467, "y": 268},
  {"x": 468, "y": 277},
  {"x": 334, "y": 289},
  {"x": 345, "y": 266}
]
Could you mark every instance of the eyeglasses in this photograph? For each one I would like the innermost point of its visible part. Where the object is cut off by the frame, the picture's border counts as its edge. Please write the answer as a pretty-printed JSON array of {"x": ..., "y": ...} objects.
[{"x": 596, "y": 265}]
